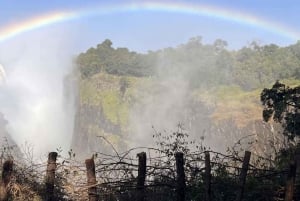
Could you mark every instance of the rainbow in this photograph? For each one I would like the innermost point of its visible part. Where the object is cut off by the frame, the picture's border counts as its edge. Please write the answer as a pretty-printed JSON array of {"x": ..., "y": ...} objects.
[{"x": 13, "y": 30}]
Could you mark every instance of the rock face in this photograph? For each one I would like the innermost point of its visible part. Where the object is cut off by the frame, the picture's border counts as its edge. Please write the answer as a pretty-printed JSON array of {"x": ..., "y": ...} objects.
[
  {"x": 101, "y": 112},
  {"x": 90, "y": 125},
  {"x": 127, "y": 111}
]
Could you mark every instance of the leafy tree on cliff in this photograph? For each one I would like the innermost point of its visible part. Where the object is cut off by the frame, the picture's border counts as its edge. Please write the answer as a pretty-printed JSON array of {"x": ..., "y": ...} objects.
[
  {"x": 120, "y": 61},
  {"x": 282, "y": 103}
]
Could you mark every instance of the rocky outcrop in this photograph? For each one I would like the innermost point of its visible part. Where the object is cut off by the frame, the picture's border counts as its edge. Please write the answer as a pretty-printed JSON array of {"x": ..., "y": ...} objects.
[
  {"x": 129, "y": 117},
  {"x": 90, "y": 123}
]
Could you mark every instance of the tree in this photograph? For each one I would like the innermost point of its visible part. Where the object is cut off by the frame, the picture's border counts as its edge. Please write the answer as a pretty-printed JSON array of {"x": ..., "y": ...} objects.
[
  {"x": 220, "y": 45},
  {"x": 106, "y": 43},
  {"x": 282, "y": 103}
]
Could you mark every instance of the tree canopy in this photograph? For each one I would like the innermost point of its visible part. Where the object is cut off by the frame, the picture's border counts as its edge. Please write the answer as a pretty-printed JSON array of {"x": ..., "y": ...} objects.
[
  {"x": 282, "y": 104},
  {"x": 251, "y": 67},
  {"x": 105, "y": 58}
]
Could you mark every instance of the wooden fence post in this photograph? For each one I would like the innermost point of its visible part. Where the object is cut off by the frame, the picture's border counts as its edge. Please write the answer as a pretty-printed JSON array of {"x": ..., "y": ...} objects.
[
  {"x": 141, "y": 176},
  {"x": 243, "y": 175},
  {"x": 91, "y": 179},
  {"x": 6, "y": 176},
  {"x": 207, "y": 177},
  {"x": 289, "y": 187},
  {"x": 50, "y": 176},
  {"x": 180, "y": 187}
]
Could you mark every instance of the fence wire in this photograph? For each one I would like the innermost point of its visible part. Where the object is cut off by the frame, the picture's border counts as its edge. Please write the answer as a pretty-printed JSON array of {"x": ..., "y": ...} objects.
[{"x": 117, "y": 174}]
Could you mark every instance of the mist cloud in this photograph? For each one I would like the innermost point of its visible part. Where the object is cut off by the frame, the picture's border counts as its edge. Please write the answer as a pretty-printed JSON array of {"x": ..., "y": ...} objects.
[{"x": 32, "y": 98}]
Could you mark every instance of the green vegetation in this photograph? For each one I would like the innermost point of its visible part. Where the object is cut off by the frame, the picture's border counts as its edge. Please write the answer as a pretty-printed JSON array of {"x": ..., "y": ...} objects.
[
  {"x": 282, "y": 103},
  {"x": 119, "y": 61},
  {"x": 204, "y": 65},
  {"x": 224, "y": 83},
  {"x": 105, "y": 91}
]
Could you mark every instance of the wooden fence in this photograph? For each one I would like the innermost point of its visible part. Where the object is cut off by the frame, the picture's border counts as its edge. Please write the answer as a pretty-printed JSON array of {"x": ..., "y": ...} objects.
[{"x": 142, "y": 170}]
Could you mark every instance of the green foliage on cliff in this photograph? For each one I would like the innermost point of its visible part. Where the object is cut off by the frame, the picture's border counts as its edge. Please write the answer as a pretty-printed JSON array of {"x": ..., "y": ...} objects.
[
  {"x": 114, "y": 108},
  {"x": 282, "y": 104},
  {"x": 105, "y": 91}
]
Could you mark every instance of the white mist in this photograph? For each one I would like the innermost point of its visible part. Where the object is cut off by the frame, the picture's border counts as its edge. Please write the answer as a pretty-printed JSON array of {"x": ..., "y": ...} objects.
[{"x": 32, "y": 98}]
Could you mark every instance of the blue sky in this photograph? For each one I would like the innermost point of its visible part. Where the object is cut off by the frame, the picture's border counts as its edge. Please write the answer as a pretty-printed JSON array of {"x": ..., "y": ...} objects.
[{"x": 151, "y": 30}]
